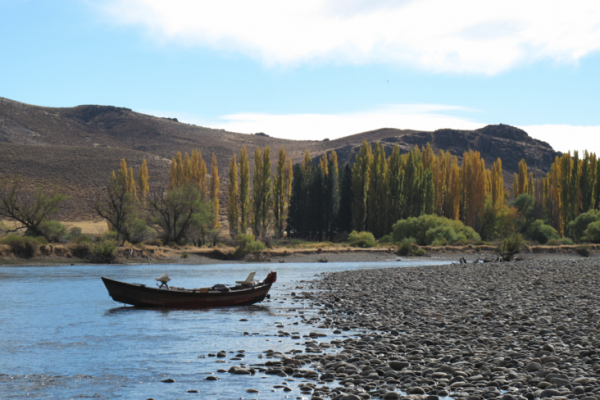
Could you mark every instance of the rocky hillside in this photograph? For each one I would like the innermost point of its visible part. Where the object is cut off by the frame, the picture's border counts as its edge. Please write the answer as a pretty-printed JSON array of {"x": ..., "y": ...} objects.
[{"x": 76, "y": 148}]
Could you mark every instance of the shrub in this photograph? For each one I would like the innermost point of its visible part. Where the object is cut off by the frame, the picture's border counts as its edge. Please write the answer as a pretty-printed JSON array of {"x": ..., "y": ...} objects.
[
  {"x": 583, "y": 250},
  {"x": 82, "y": 251},
  {"x": 138, "y": 231},
  {"x": 54, "y": 231},
  {"x": 420, "y": 252},
  {"x": 84, "y": 239},
  {"x": 104, "y": 252},
  {"x": 362, "y": 239},
  {"x": 427, "y": 229},
  {"x": 386, "y": 239},
  {"x": 153, "y": 242},
  {"x": 540, "y": 232},
  {"x": 580, "y": 224},
  {"x": 407, "y": 247},
  {"x": 511, "y": 246},
  {"x": 559, "y": 242},
  {"x": 247, "y": 245},
  {"x": 184, "y": 255},
  {"x": 592, "y": 233},
  {"x": 22, "y": 246},
  {"x": 75, "y": 233}
]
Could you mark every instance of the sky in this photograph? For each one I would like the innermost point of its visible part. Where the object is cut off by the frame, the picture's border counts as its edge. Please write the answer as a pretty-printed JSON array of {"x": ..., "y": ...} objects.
[{"x": 315, "y": 69}]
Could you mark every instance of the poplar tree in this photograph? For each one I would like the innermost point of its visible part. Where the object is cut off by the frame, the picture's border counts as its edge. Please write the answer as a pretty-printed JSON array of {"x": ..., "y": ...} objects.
[
  {"x": 316, "y": 215},
  {"x": 497, "y": 184},
  {"x": 360, "y": 186},
  {"x": 143, "y": 181},
  {"x": 332, "y": 196},
  {"x": 395, "y": 185},
  {"x": 296, "y": 220},
  {"x": 233, "y": 210},
  {"x": 522, "y": 183},
  {"x": 244, "y": 190},
  {"x": 214, "y": 191},
  {"x": 279, "y": 194},
  {"x": 344, "y": 218}
]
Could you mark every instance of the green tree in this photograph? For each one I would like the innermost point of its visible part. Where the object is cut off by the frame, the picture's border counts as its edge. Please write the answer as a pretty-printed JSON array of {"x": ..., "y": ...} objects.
[
  {"x": 30, "y": 209},
  {"x": 233, "y": 210},
  {"x": 296, "y": 220},
  {"x": 244, "y": 190},
  {"x": 344, "y": 218},
  {"x": 279, "y": 194},
  {"x": 175, "y": 211},
  {"x": 360, "y": 186}
]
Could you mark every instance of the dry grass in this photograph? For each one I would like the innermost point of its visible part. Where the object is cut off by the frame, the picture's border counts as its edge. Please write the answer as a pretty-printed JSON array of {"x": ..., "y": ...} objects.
[{"x": 94, "y": 228}]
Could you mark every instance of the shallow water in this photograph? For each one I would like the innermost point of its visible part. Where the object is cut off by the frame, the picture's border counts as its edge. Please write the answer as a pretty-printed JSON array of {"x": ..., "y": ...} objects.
[{"x": 63, "y": 337}]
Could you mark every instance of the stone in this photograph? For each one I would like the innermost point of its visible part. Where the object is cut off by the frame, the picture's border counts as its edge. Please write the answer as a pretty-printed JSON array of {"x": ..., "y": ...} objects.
[
  {"x": 533, "y": 366},
  {"x": 398, "y": 365},
  {"x": 168, "y": 380},
  {"x": 391, "y": 396}
]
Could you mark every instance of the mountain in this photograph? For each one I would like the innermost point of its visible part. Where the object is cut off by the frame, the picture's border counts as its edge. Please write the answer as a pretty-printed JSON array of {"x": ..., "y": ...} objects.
[{"x": 76, "y": 148}]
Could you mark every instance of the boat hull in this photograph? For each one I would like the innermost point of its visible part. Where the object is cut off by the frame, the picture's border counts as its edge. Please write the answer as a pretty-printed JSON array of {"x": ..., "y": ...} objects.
[{"x": 141, "y": 295}]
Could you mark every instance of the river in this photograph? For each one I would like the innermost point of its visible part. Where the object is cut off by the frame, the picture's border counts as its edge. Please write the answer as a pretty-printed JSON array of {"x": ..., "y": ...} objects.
[{"x": 63, "y": 337}]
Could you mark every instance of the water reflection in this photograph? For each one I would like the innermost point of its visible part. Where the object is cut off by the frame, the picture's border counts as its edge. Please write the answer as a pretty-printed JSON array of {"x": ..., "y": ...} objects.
[{"x": 251, "y": 310}]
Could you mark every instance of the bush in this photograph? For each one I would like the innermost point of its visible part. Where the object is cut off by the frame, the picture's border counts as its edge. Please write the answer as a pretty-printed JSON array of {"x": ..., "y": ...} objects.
[
  {"x": 583, "y": 250},
  {"x": 420, "y": 252},
  {"x": 84, "y": 239},
  {"x": 22, "y": 246},
  {"x": 54, "y": 231},
  {"x": 184, "y": 255},
  {"x": 386, "y": 239},
  {"x": 82, "y": 251},
  {"x": 75, "y": 233},
  {"x": 138, "y": 231},
  {"x": 362, "y": 239},
  {"x": 247, "y": 245},
  {"x": 427, "y": 229},
  {"x": 104, "y": 252},
  {"x": 559, "y": 242},
  {"x": 407, "y": 247},
  {"x": 540, "y": 232},
  {"x": 511, "y": 246},
  {"x": 580, "y": 224},
  {"x": 592, "y": 233},
  {"x": 153, "y": 242}
]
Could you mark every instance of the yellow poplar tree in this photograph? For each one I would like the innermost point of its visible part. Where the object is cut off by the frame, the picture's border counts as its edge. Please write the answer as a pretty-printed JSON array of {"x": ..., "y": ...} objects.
[
  {"x": 143, "y": 180},
  {"x": 233, "y": 211},
  {"x": 214, "y": 190},
  {"x": 244, "y": 190}
]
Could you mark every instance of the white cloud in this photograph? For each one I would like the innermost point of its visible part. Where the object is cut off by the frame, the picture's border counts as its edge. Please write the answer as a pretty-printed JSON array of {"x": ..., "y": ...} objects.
[
  {"x": 567, "y": 137},
  {"x": 423, "y": 117},
  {"x": 426, "y": 117},
  {"x": 467, "y": 36}
]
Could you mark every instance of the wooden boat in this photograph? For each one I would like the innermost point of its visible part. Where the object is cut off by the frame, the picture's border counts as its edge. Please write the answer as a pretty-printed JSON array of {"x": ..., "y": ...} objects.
[{"x": 243, "y": 293}]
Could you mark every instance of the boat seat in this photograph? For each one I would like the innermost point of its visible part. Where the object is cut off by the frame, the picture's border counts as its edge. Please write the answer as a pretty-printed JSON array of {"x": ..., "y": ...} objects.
[
  {"x": 163, "y": 279},
  {"x": 249, "y": 280}
]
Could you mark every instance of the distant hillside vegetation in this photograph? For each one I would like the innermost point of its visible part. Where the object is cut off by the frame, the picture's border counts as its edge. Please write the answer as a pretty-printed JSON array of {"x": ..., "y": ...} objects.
[{"x": 77, "y": 148}]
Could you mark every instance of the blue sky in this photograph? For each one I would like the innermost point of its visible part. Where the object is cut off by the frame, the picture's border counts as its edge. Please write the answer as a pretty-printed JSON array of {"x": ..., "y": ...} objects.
[{"x": 315, "y": 69}]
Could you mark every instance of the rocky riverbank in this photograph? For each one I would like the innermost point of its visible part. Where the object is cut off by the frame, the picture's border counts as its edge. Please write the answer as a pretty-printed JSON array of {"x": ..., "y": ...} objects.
[{"x": 511, "y": 331}]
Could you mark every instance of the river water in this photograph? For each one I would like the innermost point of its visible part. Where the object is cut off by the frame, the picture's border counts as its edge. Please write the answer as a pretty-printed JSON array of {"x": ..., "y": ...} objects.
[{"x": 63, "y": 337}]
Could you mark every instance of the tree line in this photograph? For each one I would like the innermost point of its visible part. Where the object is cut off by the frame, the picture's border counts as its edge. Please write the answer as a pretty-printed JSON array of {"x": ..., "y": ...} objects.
[{"x": 323, "y": 200}]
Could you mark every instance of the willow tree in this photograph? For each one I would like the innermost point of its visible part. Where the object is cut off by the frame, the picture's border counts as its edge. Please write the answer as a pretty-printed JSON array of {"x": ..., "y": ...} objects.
[{"x": 233, "y": 210}]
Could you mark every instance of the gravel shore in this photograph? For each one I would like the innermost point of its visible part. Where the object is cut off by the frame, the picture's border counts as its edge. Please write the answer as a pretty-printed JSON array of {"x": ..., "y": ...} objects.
[{"x": 510, "y": 331}]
